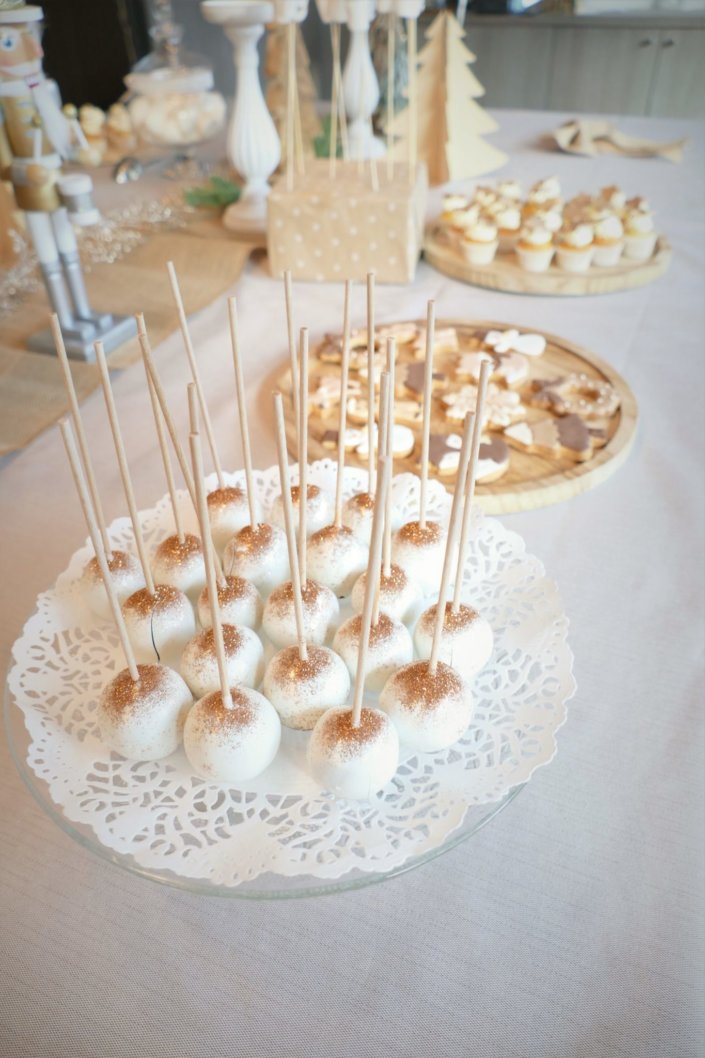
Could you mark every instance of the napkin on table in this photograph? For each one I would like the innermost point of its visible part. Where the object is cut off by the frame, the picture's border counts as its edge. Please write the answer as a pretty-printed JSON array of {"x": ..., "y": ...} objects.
[{"x": 593, "y": 137}]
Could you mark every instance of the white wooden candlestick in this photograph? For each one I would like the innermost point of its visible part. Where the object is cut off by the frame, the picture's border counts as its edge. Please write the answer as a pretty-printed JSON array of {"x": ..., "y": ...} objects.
[
  {"x": 252, "y": 144},
  {"x": 360, "y": 87}
]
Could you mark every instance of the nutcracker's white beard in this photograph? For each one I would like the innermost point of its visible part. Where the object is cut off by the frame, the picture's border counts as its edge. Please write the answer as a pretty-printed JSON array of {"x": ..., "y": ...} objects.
[{"x": 23, "y": 69}]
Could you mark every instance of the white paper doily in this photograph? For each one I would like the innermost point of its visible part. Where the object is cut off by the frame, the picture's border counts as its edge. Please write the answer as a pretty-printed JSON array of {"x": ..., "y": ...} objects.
[{"x": 166, "y": 819}]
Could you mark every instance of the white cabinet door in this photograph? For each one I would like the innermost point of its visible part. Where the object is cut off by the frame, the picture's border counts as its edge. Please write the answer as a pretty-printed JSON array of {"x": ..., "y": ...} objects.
[
  {"x": 513, "y": 63},
  {"x": 602, "y": 70},
  {"x": 678, "y": 87}
]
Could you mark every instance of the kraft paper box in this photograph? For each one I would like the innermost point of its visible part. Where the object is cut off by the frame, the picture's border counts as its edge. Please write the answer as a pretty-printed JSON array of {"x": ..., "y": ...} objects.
[{"x": 329, "y": 230}]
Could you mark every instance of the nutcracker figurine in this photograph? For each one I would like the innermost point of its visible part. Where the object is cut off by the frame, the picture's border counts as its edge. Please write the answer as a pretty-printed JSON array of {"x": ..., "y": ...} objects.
[{"x": 35, "y": 137}]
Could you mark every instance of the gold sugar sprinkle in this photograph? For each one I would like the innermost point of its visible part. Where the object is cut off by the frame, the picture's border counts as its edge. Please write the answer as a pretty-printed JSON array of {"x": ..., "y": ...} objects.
[
  {"x": 413, "y": 533},
  {"x": 421, "y": 687},
  {"x": 225, "y": 496},
  {"x": 175, "y": 553},
  {"x": 142, "y": 604},
  {"x": 340, "y": 735}
]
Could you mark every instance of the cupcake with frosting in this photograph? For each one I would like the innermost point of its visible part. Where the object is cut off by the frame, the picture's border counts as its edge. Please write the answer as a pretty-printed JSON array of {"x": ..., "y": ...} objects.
[
  {"x": 544, "y": 195},
  {"x": 479, "y": 241},
  {"x": 485, "y": 197},
  {"x": 639, "y": 233},
  {"x": 552, "y": 219},
  {"x": 452, "y": 204},
  {"x": 535, "y": 246},
  {"x": 612, "y": 198},
  {"x": 575, "y": 248},
  {"x": 507, "y": 217},
  {"x": 509, "y": 189},
  {"x": 609, "y": 239}
]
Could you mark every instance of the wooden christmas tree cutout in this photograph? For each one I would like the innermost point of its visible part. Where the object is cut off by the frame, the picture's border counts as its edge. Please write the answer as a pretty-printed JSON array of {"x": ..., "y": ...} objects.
[{"x": 450, "y": 123}]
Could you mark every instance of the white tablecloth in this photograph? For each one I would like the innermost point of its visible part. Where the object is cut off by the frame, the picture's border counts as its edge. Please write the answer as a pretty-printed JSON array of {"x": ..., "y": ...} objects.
[{"x": 571, "y": 927}]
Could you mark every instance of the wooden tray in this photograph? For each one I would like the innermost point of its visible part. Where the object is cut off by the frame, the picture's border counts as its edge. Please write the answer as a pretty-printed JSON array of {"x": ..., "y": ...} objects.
[
  {"x": 531, "y": 480},
  {"x": 505, "y": 274}
]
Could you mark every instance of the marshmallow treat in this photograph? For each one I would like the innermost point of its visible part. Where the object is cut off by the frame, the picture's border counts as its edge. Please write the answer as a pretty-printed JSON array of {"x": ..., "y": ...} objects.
[
  {"x": 354, "y": 762},
  {"x": 228, "y": 513},
  {"x": 239, "y": 601},
  {"x": 398, "y": 593},
  {"x": 159, "y": 626},
  {"x": 244, "y": 657},
  {"x": 319, "y": 509},
  {"x": 231, "y": 745},
  {"x": 302, "y": 690},
  {"x": 420, "y": 553},
  {"x": 357, "y": 515},
  {"x": 320, "y": 610},
  {"x": 127, "y": 579},
  {"x": 466, "y": 639},
  {"x": 259, "y": 554},
  {"x": 180, "y": 565},
  {"x": 390, "y": 647},
  {"x": 144, "y": 719},
  {"x": 335, "y": 558},
  {"x": 430, "y": 711}
]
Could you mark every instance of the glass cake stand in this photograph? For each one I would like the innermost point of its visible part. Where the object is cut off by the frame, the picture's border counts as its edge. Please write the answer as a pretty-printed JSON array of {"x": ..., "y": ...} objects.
[{"x": 265, "y": 886}]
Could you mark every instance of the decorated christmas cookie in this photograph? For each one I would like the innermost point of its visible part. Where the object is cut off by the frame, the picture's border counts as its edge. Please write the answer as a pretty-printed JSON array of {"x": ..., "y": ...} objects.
[
  {"x": 502, "y": 406},
  {"x": 566, "y": 436},
  {"x": 411, "y": 379},
  {"x": 576, "y": 394},
  {"x": 445, "y": 341},
  {"x": 325, "y": 393},
  {"x": 406, "y": 412},
  {"x": 513, "y": 341},
  {"x": 444, "y": 456},
  {"x": 512, "y": 369}
]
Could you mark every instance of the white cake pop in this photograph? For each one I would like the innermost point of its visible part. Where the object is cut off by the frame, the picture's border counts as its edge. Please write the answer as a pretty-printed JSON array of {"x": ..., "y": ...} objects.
[
  {"x": 228, "y": 513},
  {"x": 350, "y": 761},
  {"x": 336, "y": 558},
  {"x": 420, "y": 551},
  {"x": 159, "y": 625},
  {"x": 390, "y": 647},
  {"x": 244, "y": 657},
  {"x": 258, "y": 553},
  {"x": 429, "y": 710},
  {"x": 179, "y": 563},
  {"x": 127, "y": 578},
  {"x": 320, "y": 611},
  {"x": 357, "y": 515},
  {"x": 398, "y": 593},
  {"x": 232, "y": 745},
  {"x": 144, "y": 719},
  {"x": 240, "y": 604},
  {"x": 466, "y": 638},
  {"x": 302, "y": 690},
  {"x": 319, "y": 509}
]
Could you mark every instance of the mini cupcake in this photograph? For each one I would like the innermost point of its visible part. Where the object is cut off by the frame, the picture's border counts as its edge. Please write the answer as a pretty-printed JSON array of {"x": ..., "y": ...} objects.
[
  {"x": 479, "y": 241},
  {"x": 485, "y": 197},
  {"x": 534, "y": 247},
  {"x": 639, "y": 233},
  {"x": 578, "y": 210},
  {"x": 551, "y": 219},
  {"x": 509, "y": 189},
  {"x": 507, "y": 217},
  {"x": 613, "y": 198},
  {"x": 453, "y": 203},
  {"x": 544, "y": 195},
  {"x": 609, "y": 240},
  {"x": 575, "y": 248}
]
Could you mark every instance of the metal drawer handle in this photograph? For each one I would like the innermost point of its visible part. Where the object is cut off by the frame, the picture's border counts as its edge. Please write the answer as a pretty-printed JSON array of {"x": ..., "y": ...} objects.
[
  {"x": 669, "y": 43},
  {"x": 646, "y": 42}
]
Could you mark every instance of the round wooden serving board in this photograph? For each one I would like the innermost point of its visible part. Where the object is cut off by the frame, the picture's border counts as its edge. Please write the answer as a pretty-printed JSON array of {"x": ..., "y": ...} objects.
[
  {"x": 531, "y": 480},
  {"x": 504, "y": 273}
]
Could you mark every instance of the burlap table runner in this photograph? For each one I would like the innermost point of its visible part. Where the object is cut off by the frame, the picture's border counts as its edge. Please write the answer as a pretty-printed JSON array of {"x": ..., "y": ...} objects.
[{"x": 32, "y": 395}]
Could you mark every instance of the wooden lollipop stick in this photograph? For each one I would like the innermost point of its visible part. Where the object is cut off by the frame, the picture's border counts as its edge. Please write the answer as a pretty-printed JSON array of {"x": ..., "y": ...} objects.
[
  {"x": 391, "y": 59},
  {"x": 374, "y": 175},
  {"x": 299, "y": 132},
  {"x": 92, "y": 524},
  {"x": 389, "y": 452},
  {"x": 290, "y": 91},
  {"x": 343, "y": 410},
  {"x": 79, "y": 431},
  {"x": 467, "y": 484},
  {"x": 451, "y": 540},
  {"x": 303, "y": 449},
  {"x": 242, "y": 410},
  {"x": 285, "y": 483},
  {"x": 413, "y": 100},
  {"x": 123, "y": 465},
  {"x": 194, "y": 426},
  {"x": 166, "y": 459},
  {"x": 371, "y": 380},
  {"x": 371, "y": 579},
  {"x": 213, "y": 603},
  {"x": 334, "y": 91},
  {"x": 293, "y": 357},
  {"x": 426, "y": 421},
  {"x": 195, "y": 373},
  {"x": 383, "y": 448},
  {"x": 161, "y": 397}
]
